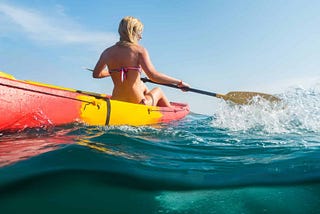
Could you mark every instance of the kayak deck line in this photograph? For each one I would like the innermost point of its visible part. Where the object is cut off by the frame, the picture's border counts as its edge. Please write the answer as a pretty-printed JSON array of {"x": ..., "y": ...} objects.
[{"x": 51, "y": 94}]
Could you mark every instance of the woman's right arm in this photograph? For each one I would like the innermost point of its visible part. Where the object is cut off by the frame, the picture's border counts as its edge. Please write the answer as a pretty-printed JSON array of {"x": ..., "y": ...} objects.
[
  {"x": 99, "y": 70},
  {"x": 153, "y": 74}
]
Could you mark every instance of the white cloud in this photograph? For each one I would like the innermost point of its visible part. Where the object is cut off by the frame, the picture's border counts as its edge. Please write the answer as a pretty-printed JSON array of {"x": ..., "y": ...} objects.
[{"x": 58, "y": 29}]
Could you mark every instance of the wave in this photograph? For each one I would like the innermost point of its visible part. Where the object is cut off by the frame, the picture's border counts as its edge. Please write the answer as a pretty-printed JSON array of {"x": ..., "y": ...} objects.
[{"x": 260, "y": 144}]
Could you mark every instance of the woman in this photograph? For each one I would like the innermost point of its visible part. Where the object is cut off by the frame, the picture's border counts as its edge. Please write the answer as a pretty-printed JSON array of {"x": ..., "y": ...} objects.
[{"x": 125, "y": 61}]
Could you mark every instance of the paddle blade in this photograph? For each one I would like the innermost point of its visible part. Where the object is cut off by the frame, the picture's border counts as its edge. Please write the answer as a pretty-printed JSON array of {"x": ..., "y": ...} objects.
[{"x": 245, "y": 98}]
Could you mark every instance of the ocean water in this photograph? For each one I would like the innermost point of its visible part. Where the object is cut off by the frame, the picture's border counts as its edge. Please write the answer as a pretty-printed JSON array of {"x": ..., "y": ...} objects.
[{"x": 262, "y": 158}]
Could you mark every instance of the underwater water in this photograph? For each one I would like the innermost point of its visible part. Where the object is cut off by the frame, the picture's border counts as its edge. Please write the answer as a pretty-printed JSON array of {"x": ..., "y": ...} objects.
[{"x": 261, "y": 158}]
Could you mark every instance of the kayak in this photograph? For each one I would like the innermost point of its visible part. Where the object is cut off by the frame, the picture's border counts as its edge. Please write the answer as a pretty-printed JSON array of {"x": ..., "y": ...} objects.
[{"x": 28, "y": 104}]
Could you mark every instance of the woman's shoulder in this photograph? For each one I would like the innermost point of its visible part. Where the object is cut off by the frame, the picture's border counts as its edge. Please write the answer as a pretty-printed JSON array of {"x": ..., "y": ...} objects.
[
  {"x": 108, "y": 50},
  {"x": 116, "y": 48},
  {"x": 141, "y": 49}
]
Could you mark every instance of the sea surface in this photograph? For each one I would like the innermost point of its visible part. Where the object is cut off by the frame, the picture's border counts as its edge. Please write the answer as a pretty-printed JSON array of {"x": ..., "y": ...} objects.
[{"x": 261, "y": 158}]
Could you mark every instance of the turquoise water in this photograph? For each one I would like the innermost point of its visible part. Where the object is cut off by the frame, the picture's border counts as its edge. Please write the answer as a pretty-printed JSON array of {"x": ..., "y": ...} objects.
[{"x": 262, "y": 158}]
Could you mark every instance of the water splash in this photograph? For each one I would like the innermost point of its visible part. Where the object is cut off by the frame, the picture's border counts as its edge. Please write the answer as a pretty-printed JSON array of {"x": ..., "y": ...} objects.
[{"x": 299, "y": 112}]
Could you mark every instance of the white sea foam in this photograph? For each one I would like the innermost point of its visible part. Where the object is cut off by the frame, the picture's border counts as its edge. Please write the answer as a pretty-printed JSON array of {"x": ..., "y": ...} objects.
[{"x": 299, "y": 112}]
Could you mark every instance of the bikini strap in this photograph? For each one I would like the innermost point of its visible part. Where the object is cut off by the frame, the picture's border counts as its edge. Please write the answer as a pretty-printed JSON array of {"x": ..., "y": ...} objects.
[{"x": 124, "y": 70}]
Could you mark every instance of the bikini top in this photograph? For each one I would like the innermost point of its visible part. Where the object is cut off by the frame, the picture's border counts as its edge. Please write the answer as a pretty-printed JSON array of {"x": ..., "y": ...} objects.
[{"x": 124, "y": 70}]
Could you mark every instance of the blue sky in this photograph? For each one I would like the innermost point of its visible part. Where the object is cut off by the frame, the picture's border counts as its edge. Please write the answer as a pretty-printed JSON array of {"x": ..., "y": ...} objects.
[{"x": 215, "y": 45}]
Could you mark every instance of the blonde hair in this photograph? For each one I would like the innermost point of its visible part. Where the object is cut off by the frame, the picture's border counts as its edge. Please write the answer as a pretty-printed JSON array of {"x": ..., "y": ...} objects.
[{"x": 129, "y": 30}]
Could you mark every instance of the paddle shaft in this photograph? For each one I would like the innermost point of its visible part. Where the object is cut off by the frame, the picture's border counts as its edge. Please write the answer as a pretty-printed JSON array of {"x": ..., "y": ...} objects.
[{"x": 185, "y": 88}]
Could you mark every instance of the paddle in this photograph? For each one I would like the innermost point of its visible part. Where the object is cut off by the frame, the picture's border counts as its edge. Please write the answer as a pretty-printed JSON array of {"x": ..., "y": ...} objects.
[{"x": 237, "y": 97}]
